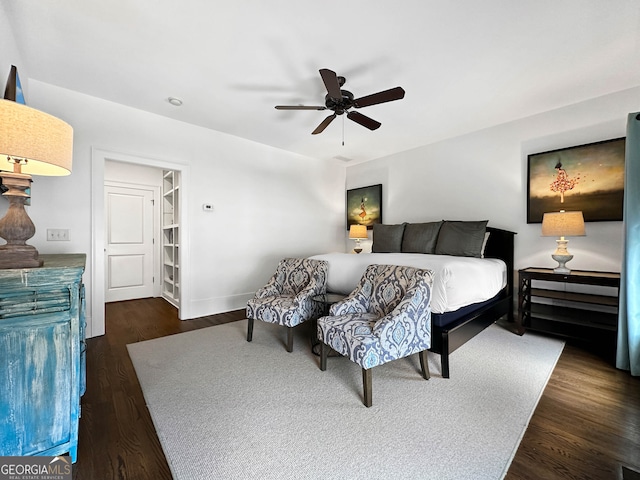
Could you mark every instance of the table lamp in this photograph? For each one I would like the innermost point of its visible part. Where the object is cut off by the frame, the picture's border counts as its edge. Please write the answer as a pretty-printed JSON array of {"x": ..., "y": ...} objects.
[
  {"x": 31, "y": 143},
  {"x": 562, "y": 224},
  {"x": 357, "y": 232}
]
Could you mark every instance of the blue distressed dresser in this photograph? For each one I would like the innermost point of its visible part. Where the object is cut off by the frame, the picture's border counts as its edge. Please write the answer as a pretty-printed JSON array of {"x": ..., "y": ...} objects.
[{"x": 42, "y": 357}]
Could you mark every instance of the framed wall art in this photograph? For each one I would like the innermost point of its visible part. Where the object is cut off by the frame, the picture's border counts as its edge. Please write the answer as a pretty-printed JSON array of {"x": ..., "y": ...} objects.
[
  {"x": 364, "y": 206},
  {"x": 587, "y": 178},
  {"x": 13, "y": 89}
]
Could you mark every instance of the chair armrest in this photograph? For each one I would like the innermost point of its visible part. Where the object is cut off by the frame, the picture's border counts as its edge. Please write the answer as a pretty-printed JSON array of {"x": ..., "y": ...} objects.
[
  {"x": 271, "y": 289},
  {"x": 356, "y": 302},
  {"x": 310, "y": 291}
]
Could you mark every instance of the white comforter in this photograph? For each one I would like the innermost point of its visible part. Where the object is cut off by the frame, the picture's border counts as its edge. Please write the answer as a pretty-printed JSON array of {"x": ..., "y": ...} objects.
[{"x": 458, "y": 281}]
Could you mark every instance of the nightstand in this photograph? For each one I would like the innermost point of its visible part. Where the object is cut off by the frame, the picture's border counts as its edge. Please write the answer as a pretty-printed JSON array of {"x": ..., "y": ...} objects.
[{"x": 545, "y": 305}]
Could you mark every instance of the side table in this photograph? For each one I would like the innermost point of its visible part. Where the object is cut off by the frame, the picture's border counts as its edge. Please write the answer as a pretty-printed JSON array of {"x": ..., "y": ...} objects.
[
  {"x": 327, "y": 299},
  {"x": 573, "y": 314}
]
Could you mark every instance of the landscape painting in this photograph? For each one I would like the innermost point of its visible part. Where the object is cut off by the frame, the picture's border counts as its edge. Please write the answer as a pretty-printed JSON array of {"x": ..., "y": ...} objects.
[
  {"x": 587, "y": 178},
  {"x": 364, "y": 206}
]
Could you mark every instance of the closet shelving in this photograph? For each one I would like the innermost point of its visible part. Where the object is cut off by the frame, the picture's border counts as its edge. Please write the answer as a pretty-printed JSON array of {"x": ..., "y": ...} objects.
[{"x": 170, "y": 237}]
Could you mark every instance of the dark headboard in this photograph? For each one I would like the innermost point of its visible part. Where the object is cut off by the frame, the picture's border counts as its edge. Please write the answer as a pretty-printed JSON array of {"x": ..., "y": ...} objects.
[{"x": 501, "y": 245}]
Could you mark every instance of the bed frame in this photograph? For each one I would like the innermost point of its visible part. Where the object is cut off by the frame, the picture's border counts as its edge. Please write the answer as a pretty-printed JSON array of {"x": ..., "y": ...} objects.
[{"x": 446, "y": 339}]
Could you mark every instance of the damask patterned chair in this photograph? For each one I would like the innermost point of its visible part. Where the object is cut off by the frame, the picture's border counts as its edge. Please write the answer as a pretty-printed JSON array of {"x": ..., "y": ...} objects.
[
  {"x": 287, "y": 299},
  {"x": 387, "y": 316}
]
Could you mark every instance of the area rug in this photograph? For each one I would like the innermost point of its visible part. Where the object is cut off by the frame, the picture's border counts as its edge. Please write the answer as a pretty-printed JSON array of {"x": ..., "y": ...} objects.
[{"x": 224, "y": 408}]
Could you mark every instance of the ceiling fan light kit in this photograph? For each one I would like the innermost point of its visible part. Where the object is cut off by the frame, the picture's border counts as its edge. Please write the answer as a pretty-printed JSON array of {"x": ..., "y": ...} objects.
[{"x": 340, "y": 101}]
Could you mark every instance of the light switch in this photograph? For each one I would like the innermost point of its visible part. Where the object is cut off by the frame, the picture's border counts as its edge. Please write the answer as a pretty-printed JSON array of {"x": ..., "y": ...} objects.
[{"x": 57, "y": 235}]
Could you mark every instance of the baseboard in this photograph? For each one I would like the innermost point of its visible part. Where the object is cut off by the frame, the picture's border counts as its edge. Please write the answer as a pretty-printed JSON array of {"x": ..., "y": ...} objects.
[{"x": 211, "y": 306}]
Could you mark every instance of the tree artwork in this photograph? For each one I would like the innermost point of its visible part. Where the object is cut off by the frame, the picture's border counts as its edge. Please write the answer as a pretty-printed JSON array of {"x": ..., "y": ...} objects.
[
  {"x": 587, "y": 178},
  {"x": 562, "y": 182}
]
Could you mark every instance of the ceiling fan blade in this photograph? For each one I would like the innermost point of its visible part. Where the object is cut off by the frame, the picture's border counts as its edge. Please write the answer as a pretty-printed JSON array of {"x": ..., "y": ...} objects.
[
  {"x": 381, "y": 97},
  {"x": 330, "y": 80},
  {"x": 299, "y": 107},
  {"x": 363, "y": 120},
  {"x": 324, "y": 124}
]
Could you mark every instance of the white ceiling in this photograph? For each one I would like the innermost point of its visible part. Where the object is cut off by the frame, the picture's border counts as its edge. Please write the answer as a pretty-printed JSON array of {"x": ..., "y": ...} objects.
[{"x": 465, "y": 64}]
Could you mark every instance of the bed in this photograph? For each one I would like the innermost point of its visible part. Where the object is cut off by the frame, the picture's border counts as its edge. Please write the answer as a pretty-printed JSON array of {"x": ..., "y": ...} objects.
[{"x": 473, "y": 280}]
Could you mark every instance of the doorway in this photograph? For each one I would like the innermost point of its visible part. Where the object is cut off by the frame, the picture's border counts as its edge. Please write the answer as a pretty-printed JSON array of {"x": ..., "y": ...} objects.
[{"x": 96, "y": 291}]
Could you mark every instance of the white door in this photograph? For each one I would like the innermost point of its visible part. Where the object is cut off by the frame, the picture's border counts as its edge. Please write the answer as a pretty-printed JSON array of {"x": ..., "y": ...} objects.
[{"x": 129, "y": 243}]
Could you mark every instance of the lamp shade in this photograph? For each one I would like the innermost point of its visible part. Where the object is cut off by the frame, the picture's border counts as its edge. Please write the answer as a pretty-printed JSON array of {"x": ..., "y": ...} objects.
[
  {"x": 358, "y": 231},
  {"x": 44, "y": 141},
  {"x": 563, "y": 224}
]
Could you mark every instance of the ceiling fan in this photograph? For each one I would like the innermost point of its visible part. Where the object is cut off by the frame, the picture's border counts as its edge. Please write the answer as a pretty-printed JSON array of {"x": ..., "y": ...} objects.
[{"x": 340, "y": 101}]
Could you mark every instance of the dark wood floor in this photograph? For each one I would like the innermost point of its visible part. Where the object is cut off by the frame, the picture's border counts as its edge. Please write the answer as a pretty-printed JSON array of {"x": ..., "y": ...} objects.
[{"x": 586, "y": 426}]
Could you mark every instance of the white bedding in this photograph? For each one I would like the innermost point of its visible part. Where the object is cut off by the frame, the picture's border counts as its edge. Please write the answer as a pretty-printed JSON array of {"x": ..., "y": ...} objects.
[{"x": 458, "y": 281}]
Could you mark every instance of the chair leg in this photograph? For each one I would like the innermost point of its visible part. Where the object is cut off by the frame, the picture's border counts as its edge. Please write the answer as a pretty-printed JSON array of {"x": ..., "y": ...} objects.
[
  {"x": 289, "y": 339},
  {"x": 324, "y": 353},
  {"x": 424, "y": 365},
  {"x": 366, "y": 383},
  {"x": 250, "y": 329}
]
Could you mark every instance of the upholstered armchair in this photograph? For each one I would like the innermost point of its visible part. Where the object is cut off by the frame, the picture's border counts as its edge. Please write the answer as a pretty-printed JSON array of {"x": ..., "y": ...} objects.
[
  {"x": 387, "y": 316},
  {"x": 287, "y": 298}
]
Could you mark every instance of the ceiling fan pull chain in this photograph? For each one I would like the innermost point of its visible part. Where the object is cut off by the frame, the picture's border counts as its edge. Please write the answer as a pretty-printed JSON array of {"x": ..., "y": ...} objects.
[{"x": 343, "y": 130}]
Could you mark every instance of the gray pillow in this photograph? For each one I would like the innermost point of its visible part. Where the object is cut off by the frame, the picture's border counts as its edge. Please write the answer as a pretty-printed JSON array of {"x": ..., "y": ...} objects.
[
  {"x": 463, "y": 239},
  {"x": 420, "y": 237},
  {"x": 387, "y": 238}
]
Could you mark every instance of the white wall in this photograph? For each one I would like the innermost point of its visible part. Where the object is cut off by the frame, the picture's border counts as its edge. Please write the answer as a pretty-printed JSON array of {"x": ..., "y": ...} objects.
[
  {"x": 268, "y": 203},
  {"x": 483, "y": 175},
  {"x": 10, "y": 54}
]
